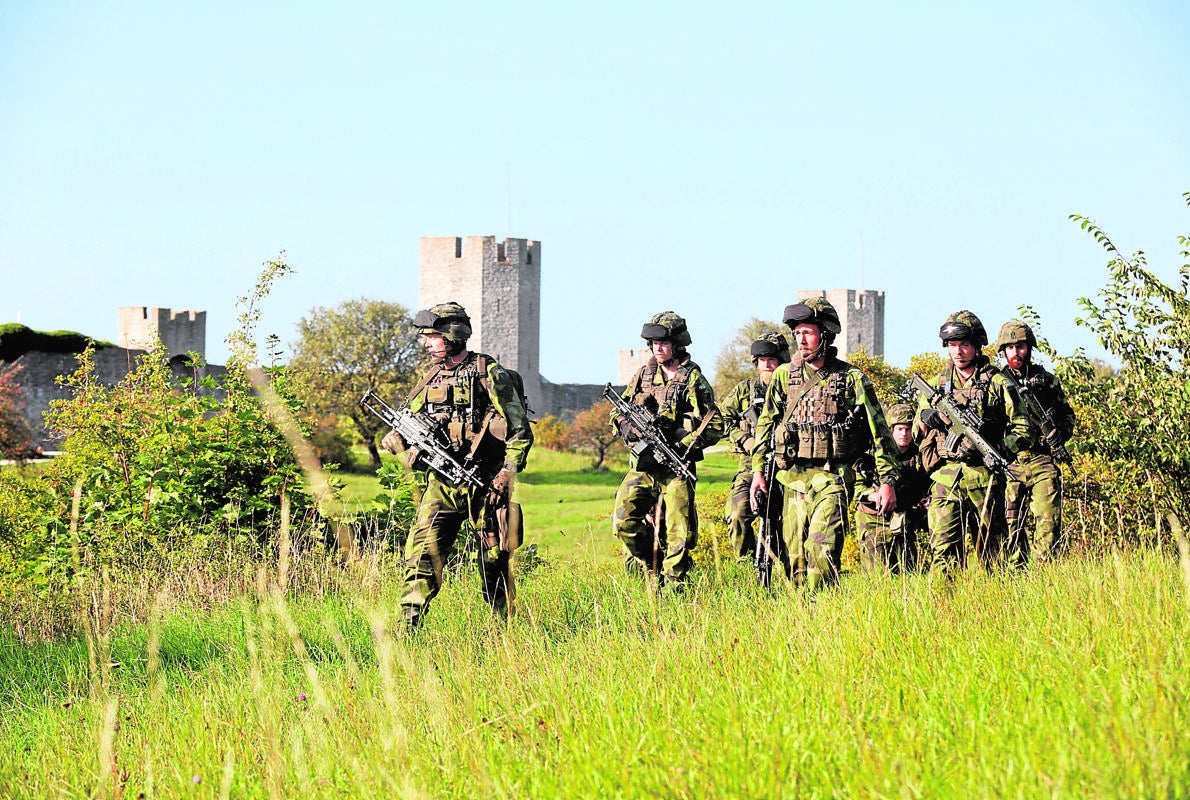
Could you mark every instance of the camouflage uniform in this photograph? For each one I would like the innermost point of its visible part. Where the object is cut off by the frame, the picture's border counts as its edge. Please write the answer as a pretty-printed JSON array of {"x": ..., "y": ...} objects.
[
  {"x": 966, "y": 497},
  {"x": 685, "y": 403},
  {"x": 477, "y": 403},
  {"x": 817, "y": 423},
  {"x": 1035, "y": 484},
  {"x": 740, "y": 410},
  {"x": 888, "y": 543}
]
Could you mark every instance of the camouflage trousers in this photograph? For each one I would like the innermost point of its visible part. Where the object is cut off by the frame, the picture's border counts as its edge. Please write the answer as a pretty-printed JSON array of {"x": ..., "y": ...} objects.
[
  {"x": 815, "y": 521},
  {"x": 888, "y": 544},
  {"x": 665, "y": 553},
  {"x": 440, "y": 514},
  {"x": 739, "y": 516},
  {"x": 966, "y": 510},
  {"x": 1035, "y": 486}
]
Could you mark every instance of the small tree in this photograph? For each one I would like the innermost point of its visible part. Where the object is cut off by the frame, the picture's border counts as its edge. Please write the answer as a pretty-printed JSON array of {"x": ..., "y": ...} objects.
[
  {"x": 734, "y": 362},
  {"x": 550, "y": 432},
  {"x": 342, "y": 352},
  {"x": 1136, "y": 419},
  {"x": 591, "y": 433}
]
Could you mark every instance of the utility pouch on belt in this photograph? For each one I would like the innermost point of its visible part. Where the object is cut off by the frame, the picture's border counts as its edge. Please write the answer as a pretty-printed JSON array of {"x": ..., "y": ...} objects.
[
  {"x": 511, "y": 526},
  {"x": 455, "y": 429}
]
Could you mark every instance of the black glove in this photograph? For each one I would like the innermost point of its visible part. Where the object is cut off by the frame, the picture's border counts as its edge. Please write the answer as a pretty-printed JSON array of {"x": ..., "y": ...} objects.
[
  {"x": 932, "y": 419},
  {"x": 627, "y": 432}
]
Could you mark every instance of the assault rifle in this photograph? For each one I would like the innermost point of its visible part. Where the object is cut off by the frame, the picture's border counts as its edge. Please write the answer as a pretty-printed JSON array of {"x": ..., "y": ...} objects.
[
  {"x": 652, "y": 440},
  {"x": 768, "y": 534},
  {"x": 1045, "y": 417},
  {"x": 427, "y": 438},
  {"x": 964, "y": 422}
]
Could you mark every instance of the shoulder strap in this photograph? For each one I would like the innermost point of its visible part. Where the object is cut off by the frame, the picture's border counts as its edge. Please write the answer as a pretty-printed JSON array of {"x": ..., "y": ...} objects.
[{"x": 795, "y": 397}]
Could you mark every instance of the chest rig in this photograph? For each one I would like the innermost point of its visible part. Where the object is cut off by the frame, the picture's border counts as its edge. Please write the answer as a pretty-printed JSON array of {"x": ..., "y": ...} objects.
[
  {"x": 975, "y": 396},
  {"x": 456, "y": 398},
  {"x": 668, "y": 397},
  {"x": 819, "y": 425}
]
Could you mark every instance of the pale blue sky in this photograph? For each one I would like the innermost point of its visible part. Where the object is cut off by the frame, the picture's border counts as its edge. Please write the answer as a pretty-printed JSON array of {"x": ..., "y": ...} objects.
[{"x": 712, "y": 159}]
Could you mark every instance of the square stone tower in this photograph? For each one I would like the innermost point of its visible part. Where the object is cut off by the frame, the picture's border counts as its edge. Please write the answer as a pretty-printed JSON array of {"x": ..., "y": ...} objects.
[
  {"x": 861, "y": 313},
  {"x": 181, "y": 332},
  {"x": 499, "y": 283}
]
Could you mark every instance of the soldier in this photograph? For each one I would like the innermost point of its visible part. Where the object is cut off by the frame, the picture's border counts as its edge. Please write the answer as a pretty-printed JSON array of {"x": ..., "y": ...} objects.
[
  {"x": 474, "y": 400},
  {"x": 888, "y": 542},
  {"x": 967, "y": 497},
  {"x": 1036, "y": 482},
  {"x": 740, "y": 410},
  {"x": 655, "y": 517},
  {"x": 820, "y": 414}
]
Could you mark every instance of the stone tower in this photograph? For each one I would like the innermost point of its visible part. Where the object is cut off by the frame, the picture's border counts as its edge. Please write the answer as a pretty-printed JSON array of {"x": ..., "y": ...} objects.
[
  {"x": 181, "y": 332},
  {"x": 862, "y": 314},
  {"x": 499, "y": 283}
]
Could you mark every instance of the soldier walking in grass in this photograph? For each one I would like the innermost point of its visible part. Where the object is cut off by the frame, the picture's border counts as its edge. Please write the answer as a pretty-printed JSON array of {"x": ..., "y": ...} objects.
[
  {"x": 820, "y": 414},
  {"x": 966, "y": 495},
  {"x": 741, "y": 409},
  {"x": 888, "y": 541},
  {"x": 1035, "y": 484},
  {"x": 654, "y": 515},
  {"x": 475, "y": 404}
]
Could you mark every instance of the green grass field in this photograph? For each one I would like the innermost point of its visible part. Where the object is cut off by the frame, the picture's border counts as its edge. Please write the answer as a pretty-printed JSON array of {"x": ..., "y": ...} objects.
[{"x": 1070, "y": 680}]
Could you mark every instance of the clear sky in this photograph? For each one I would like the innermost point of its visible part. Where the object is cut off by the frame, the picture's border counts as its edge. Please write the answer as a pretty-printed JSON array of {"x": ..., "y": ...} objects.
[{"x": 706, "y": 158}]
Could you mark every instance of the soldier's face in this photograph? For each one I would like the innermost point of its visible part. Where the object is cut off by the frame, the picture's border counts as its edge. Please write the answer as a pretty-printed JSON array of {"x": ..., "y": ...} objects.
[
  {"x": 902, "y": 435},
  {"x": 663, "y": 349},
  {"x": 808, "y": 338},
  {"x": 435, "y": 345},
  {"x": 961, "y": 351},
  {"x": 765, "y": 366},
  {"x": 1017, "y": 354}
]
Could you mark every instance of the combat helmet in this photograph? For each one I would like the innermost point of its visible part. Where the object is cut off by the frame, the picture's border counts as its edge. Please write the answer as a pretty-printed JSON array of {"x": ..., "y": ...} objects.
[
  {"x": 449, "y": 319},
  {"x": 771, "y": 344},
  {"x": 900, "y": 414},
  {"x": 667, "y": 326},
  {"x": 963, "y": 325},
  {"x": 817, "y": 311},
  {"x": 1013, "y": 332}
]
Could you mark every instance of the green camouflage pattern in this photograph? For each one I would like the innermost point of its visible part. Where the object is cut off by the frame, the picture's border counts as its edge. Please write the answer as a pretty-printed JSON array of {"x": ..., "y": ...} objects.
[
  {"x": 737, "y": 513},
  {"x": 1035, "y": 487},
  {"x": 667, "y": 553},
  {"x": 640, "y": 489},
  {"x": 967, "y": 500},
  {"x": 504, "y": 398},
  {"x": 440, "y": 514},
  {"x": 816, "y": 499},
  {"x": 889, "y": 543},
  {"x": 1014, "y": 332}
]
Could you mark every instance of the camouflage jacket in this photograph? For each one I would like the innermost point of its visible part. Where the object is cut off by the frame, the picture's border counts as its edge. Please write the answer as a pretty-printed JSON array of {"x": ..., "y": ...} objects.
[
  {"x": 1050, "y": 395},
  {"x": 682, "y": 403},
  {"x": 988, "y": 394},
  {"x": 858, "y": 396},
  {"x": 741, "y": 410},
  {"x": 472, "y": 405}
]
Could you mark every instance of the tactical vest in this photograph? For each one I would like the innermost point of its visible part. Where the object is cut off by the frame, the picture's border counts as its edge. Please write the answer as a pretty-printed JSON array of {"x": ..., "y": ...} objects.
[
  {"x": 751, "y": 415},
  {"x": 914, "y": 482},
  {"x": 457, "y": 398},
  {"x": 667, "y": 398},
  {"x": 975, "y": 396},
  {"x": 819, "y": 425}
]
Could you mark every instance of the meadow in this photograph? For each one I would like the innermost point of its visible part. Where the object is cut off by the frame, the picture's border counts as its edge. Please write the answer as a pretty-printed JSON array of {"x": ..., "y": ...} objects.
[{"x": 1068, "y": 680}]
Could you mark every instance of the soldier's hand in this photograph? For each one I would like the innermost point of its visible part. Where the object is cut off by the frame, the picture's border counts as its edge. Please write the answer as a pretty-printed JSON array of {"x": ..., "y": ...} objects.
[
  {"x": 502, "y": 482},
  {"x": 627, "y": 432},
  {"x": 759, "y": 487},
  {"x": 886, "y": 499},
  {"x": 931, "y": 418},
  {"x": 393, "y": 443}
]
